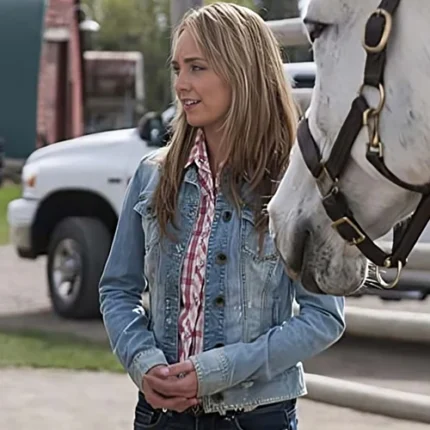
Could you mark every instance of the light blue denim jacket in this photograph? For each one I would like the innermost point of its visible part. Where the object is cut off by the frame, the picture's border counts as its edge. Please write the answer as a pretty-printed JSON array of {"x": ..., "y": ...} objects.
[{"x": 253, "y": 343}]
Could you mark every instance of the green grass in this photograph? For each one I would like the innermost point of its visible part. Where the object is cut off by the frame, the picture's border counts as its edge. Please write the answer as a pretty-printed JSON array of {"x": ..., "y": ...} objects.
[
  {"x": 7, "y": 193},
  {"x": 43, "y": 350}
]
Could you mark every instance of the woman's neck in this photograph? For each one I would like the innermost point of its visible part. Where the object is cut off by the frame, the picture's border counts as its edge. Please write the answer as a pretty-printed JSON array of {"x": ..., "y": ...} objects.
[{"x": 213, "y": 137}]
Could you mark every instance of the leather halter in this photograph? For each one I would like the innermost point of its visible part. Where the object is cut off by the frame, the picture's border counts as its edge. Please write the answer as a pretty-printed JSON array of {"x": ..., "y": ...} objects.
[{"x": 327, "y": 173}]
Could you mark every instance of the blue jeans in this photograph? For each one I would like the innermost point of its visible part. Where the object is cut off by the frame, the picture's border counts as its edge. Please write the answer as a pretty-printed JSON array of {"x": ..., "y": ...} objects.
[{"x": 277, "y": 416}]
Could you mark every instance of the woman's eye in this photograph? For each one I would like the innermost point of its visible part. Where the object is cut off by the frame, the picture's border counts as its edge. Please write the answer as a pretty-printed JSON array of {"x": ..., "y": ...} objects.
[
  {"x": 196, "y": 68},
  {"x": 315, "y": 29}
]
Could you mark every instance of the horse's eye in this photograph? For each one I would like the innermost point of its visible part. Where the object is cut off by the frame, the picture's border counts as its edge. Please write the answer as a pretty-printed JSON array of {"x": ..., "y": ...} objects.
[{"x": 314, "y": 28}]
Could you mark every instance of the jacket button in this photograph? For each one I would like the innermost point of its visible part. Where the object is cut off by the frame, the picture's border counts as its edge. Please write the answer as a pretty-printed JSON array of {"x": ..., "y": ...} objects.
[
  {"x": 219, "y": 301},
  {"x": 226, "y": 216},
  {"x": 221, "y": 258},
  {"x": 218, "y": 397}
]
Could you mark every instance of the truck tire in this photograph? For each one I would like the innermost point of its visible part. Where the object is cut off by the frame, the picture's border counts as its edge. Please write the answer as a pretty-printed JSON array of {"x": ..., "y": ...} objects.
[{"x": 77, "y": 253}]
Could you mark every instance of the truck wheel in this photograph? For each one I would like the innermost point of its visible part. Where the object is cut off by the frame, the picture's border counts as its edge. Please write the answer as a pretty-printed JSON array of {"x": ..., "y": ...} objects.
[{"x": 77, "y": 253}]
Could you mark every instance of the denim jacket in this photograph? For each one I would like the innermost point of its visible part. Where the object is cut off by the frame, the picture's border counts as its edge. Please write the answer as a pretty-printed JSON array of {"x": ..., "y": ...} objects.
[{"x": 253, "y": 341}]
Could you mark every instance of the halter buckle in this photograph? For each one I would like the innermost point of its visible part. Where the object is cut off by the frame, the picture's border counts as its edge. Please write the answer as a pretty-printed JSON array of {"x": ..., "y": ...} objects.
[
  {"x": 345, "y": 220},
  {"x": 385, "y": 35}
]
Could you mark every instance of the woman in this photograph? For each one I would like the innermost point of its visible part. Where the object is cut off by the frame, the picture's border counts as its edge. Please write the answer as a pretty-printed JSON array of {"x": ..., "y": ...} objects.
[{"x": 219, "y": 345}]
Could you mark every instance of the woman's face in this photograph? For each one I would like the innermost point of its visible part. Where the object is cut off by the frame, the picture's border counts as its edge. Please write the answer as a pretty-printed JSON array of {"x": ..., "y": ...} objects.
[{"x": 205, "y": 97}]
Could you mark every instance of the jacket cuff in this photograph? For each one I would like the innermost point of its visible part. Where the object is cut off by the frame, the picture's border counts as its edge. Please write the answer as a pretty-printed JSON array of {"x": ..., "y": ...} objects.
[
  {"x": 212, "y": 371},
  {"x": 143, "y": 362}
]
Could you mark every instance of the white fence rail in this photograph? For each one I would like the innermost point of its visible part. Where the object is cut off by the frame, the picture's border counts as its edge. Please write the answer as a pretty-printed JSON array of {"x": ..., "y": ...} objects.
[{"x": 289, "y": 32}]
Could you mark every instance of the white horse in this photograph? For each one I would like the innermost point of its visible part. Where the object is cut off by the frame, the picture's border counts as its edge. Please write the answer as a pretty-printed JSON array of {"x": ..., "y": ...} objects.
[{"x": 312, "y": 250}]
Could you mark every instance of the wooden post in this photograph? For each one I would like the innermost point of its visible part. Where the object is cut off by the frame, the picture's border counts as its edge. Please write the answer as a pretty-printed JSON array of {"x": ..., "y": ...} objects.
[
  {"x": 179, "y": 7},
  {"x": 177, "y": 10},
  {"x": 289, "y": 32}
]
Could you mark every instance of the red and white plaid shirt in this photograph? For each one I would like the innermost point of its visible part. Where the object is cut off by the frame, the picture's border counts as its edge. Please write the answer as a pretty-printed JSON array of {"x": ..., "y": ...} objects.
[{"x": 194, "y": 269}]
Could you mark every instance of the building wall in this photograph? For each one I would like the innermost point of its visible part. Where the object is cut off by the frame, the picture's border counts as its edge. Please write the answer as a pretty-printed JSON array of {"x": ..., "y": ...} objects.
[
  {"x": 60, "y": 101},
  {"x": 21, "y": 31}
]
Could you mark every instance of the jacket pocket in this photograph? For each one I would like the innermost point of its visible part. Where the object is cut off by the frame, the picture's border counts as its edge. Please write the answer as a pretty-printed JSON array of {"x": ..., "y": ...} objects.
[{"x": 251, "y": 240}]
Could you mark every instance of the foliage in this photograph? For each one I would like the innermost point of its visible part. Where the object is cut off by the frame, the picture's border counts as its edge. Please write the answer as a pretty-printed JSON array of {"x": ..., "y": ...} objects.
[
  {"x": 136, "y": 25},
  {"x": 144, "y": 26},
  {"x": 7, "y": 193}
]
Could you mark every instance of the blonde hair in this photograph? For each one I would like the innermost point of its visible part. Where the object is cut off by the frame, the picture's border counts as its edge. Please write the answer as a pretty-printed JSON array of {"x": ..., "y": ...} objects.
[{"x": 259, "y": 128}]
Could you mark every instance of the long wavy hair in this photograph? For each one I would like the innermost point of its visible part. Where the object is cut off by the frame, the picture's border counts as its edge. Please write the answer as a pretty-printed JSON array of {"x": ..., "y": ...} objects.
[{"x": 259, "y": 127}]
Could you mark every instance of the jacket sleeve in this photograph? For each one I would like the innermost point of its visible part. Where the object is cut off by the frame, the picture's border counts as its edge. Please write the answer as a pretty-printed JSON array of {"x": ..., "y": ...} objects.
[
  {"x": 121, "y": 287},
  {"x": 319, "y": 324}
]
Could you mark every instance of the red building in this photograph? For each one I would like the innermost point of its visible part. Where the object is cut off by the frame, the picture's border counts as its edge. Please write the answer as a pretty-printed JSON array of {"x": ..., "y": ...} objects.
[{"x": 60, "y": 113}]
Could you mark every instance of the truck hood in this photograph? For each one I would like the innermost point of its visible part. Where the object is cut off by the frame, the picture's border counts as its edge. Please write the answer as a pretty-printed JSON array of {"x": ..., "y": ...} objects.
[{"x": 90, "y": 143}]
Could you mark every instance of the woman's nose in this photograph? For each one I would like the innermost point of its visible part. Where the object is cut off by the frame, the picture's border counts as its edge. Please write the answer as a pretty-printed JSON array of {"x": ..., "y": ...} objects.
[{"x": 182, "y": 83}]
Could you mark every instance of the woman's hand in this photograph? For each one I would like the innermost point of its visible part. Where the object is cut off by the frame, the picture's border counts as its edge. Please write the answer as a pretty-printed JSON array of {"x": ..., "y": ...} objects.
[
  {"x": 179, "y": 381},
  {"x": 153, "y": 383}
]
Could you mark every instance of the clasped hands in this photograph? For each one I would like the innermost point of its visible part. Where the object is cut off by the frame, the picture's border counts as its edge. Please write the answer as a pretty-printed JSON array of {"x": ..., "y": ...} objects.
[{"x": 171, "y": 387}]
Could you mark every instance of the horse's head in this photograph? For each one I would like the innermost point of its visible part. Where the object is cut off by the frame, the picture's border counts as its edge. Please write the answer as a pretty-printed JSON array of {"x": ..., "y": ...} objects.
[{"x": 311, "y": 248}]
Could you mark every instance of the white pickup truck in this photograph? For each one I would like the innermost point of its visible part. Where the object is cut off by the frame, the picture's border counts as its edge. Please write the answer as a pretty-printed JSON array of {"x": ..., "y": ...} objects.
[{"x": 72, "y": 195}]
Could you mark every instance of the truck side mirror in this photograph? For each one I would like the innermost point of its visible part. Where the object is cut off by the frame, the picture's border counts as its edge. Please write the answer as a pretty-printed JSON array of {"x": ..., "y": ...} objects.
[{"x": 152, "y": 129}]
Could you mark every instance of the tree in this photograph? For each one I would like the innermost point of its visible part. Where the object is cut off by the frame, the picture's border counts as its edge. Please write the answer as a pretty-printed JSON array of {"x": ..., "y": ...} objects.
[
  {"x": 247, "y": 3},
  {"x": 144, "y": 26},
  {"x": 136, "y": 25}
]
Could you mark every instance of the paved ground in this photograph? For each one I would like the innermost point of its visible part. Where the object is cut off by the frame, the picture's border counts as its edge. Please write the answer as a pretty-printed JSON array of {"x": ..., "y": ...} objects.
[
  {"x": 41, "y": 400},
  {"x": 22, "y": 283}
]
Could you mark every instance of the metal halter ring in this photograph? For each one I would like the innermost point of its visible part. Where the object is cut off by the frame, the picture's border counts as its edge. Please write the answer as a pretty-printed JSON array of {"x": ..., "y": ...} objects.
[
  {"x": 396, "y": 279},
  {"x": 375, "y": 111},
  {"x": 385, "y": 35}
]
